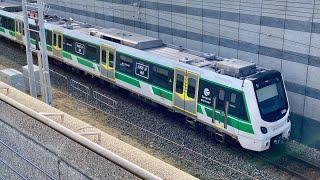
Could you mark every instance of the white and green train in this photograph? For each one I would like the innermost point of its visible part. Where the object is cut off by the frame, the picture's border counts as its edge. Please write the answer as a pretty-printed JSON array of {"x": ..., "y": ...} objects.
[{"x": 230, "y": 97}]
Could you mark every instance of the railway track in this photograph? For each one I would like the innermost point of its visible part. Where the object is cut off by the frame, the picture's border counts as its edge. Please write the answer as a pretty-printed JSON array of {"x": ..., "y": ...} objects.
[
  {"x": 188, "y": 159},
  {"x": 294, "y": 165},
  {"x": 197, "y": 154}
]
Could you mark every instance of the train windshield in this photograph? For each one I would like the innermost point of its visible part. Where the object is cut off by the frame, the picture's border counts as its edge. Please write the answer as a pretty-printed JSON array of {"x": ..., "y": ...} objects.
[{"x": 271, "y": 98}]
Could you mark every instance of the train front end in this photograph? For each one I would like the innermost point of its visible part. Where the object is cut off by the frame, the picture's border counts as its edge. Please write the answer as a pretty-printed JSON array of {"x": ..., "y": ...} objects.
[{"x": 269, "y": 110}]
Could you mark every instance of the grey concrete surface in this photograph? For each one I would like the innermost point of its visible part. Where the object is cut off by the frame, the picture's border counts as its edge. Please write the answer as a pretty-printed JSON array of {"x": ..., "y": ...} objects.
[{"x": 24, "y": 139}]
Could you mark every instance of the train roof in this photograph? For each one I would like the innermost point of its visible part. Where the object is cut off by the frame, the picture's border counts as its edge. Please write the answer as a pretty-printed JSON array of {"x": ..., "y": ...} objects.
[{"x": 230, "y": 67}]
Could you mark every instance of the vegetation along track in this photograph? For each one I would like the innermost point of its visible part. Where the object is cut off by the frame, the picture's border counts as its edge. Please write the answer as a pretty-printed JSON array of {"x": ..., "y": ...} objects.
[{"x": 161, "y": 133}]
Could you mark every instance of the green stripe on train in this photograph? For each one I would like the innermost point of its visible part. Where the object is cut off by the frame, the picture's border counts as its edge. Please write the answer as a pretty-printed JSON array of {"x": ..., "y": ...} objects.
[
  {"x": 156, "y": 90},
  {"x": 49, "y": 48},
  {"x": 67, "y": 55},
  {"x": 12, "y": 33},
  {"x": 162, "y": 93},
  {"x": 199, "y": 109},
  {"x": 33, "y": 41},
  {"x": 85, "y": 62},
  {"x": 2, "y": 30},
  {"x": 231, "y": 121},
  {"x": 128, "y": 79}
]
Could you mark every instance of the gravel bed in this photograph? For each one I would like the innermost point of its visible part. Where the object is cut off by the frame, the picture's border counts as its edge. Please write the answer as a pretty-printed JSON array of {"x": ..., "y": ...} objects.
[
  {"x": 134, "y": 155},
  {"x": 192, "y": 151},
  {"x": 304, "y": 152}
]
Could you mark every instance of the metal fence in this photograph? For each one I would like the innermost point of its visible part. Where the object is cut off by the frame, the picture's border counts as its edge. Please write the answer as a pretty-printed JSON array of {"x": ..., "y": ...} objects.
[
  {"x": 66, "y": 86},
  {"x": 79, "y": 90},
  {"x": 104, "y": 102},
  {"x": 82, "y": 92},
  {"x": 60, "y": 81}
]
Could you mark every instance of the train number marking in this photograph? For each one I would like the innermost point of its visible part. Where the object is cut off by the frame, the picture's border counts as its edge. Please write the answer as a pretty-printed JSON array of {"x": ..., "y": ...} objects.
[
  {"x": 142, "y": 70},
  {"x": 80, "y": 48}
]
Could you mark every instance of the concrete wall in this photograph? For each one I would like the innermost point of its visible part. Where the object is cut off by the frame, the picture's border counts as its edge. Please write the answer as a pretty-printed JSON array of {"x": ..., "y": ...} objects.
[
  {"x": 22, "y": 137},
  {"x": 282, "y": 35}
]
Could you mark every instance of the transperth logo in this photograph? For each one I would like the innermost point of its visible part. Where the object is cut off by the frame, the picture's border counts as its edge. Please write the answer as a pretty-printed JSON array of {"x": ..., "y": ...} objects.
[{"x": 206, "y": 92}]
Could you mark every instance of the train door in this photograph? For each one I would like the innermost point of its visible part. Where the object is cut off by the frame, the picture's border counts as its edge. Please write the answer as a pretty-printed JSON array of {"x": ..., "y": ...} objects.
[
  {"x": 108, "y": 61},
  {"x": 186, "y": 86},
  {"x": 57, "y": 42},
  {"x": 19, "y": 30}
]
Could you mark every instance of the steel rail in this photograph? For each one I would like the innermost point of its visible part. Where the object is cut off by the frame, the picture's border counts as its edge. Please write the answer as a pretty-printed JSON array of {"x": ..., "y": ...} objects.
[{"x": 278, "y": 165}]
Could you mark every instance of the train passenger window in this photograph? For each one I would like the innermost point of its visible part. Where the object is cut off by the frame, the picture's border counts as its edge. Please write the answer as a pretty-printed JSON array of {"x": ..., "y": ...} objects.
[
  {"x": 161, "y": 77},
  {"x": 161, "y": 72},
  {"x": 1, "y": 24},
  {"x": 126, "y": 63},
  {"x": 54, "y": 39},
  {"x": 68, "y": 44},
  {"x": 33, "y": 34},
  {"x": 21, "y": 27},
  {"x": 104, "y": 57},
  {"x": 233, "y": 98},
  {"x": 10, "y": 24},
  {"x": 7, "y": 23},
  {"x": 221, "y": 94},
  {"x": 49, "y": 37},
  {"x": 191, "y": 88},
  {"x": 179, "y": 84},
  {"x": 221, "y": 99},
  {"x": 59, "y": 41},
  {"x": 91, "y": 53},
  {"x": 111, "y": 60}
]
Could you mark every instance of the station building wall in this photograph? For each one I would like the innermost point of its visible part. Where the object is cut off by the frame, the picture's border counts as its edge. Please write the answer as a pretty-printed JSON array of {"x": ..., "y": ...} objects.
[{"x": 282, "y": 35}]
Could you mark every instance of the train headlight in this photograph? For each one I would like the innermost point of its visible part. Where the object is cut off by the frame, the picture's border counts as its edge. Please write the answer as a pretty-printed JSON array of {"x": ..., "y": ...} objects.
[{"x": 264, "y": 130}]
